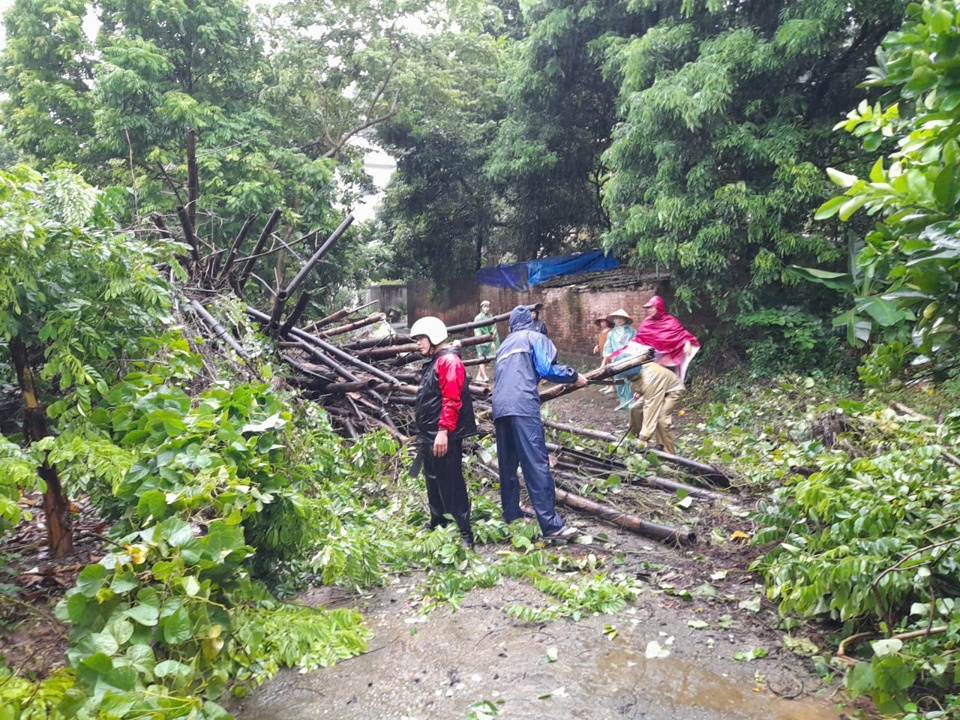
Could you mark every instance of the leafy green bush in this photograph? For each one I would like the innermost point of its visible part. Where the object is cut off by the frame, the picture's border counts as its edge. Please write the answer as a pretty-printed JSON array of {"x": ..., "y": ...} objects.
[
  {"x": 792, "y": 340},
  {"x": 872, "y": 542}
]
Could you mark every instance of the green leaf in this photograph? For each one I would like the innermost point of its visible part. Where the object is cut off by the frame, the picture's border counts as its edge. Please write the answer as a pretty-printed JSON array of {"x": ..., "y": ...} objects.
[
  {"x": 173, "y": 669},
  {"x": 851, "y": 206},
  {"x": 177, "y": 628},
  {"x": 860, "y": 680},
  {"x": 91, "y": 579},
  {"x": 144, "y": 614},
  {"x": 830, "y": 207},
  {"x": 834, "y": 280},
  {"x": 841, "y": 179}
]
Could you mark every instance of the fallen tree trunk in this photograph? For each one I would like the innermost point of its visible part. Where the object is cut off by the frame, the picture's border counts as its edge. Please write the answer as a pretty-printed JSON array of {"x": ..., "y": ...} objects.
[
  {"x": 600, "y": 373},
  {"x": 708, "y": 472}
]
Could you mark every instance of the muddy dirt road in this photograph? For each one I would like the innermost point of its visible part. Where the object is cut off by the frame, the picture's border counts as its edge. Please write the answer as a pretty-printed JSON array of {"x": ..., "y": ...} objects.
[{"x": 699, "y": 643}]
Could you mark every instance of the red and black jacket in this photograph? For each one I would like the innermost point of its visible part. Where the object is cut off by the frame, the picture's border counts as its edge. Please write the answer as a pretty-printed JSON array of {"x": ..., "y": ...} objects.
[{"x": 443, "y": 399}]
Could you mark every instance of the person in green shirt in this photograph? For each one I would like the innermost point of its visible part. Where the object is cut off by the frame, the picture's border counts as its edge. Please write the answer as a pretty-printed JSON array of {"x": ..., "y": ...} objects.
[{"x": 487, "y": 350}]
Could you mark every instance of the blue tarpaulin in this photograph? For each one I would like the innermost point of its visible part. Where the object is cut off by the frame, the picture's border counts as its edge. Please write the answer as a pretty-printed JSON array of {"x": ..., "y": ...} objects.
[
  {"x": 520, "y": 275},
  {"x": 539, "y": 271},
  {"x": 512, "y": 276}
]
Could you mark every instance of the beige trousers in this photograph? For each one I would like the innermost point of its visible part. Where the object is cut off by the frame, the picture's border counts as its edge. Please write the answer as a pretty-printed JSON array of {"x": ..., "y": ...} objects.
[{"x": 660, "y": 389}]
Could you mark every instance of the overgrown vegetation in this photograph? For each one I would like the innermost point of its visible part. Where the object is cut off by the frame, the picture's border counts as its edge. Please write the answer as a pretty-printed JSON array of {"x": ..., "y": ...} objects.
[{"x": 861, "y": 528}]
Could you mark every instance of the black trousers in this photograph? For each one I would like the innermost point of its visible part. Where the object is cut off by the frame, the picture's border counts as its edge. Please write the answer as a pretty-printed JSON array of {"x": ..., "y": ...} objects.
[{"x": 446, "y": 488}]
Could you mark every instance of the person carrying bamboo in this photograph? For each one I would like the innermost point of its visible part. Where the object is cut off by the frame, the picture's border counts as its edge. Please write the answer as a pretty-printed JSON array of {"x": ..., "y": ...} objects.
[{"x": 659, "y": 389}]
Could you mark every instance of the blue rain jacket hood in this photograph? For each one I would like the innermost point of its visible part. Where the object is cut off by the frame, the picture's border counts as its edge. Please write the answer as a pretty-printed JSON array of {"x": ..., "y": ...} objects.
[
  {"x": 524, "y": 359},
  {"x": 521, "y": 318}
]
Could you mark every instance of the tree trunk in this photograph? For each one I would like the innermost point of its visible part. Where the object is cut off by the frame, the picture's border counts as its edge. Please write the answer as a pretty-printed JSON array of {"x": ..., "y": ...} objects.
[{"x": 56, "y": 506}]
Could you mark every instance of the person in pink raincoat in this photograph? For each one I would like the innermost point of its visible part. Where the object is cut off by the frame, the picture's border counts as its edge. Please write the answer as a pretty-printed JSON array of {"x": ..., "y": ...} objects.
[{"x": 667, "y": 336}]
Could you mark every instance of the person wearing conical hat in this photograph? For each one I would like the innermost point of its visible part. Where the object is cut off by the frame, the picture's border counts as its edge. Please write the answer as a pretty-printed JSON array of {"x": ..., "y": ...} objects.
[
  {"x": 487, "y": 351},
  {"x": 620, "y": 334}
]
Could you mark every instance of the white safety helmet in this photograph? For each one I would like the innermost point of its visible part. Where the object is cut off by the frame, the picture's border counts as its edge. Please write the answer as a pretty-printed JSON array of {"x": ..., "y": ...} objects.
[{"x": 430, "y": 327}]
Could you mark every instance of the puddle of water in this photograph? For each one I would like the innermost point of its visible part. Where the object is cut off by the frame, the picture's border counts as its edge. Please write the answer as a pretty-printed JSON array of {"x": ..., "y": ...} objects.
[{"x": 683, "y": 685}]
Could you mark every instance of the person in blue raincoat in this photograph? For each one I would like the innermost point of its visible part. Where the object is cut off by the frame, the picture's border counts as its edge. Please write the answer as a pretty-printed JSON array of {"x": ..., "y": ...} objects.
[
  {"x": 524, "y": 359},
  {"x": 620, "y": 334}
]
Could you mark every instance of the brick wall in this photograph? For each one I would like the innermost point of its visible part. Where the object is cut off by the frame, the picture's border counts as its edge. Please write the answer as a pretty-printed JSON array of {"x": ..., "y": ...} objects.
[{"x": 568, "y": 313}]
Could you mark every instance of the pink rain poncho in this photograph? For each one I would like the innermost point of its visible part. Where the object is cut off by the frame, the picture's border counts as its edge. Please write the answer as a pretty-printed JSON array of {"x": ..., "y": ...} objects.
[{"x": 665, "y": 334}]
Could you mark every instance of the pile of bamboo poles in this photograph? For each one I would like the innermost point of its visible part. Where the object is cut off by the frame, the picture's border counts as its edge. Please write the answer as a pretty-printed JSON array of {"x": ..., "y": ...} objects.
[{"x": 370, "y": 383}]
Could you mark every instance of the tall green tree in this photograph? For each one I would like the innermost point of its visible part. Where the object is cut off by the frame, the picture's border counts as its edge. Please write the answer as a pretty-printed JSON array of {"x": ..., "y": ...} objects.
[
  {"x": 440, "y": 216},
  {"x": 905, "y": 277},
  {"x": 124, "y": 108},
  {"x": 725, "y": 113},
  {"x": 547, "y": 159},
  {"x": 76, "y": 295},
  {"x": 48, "y": 69}
]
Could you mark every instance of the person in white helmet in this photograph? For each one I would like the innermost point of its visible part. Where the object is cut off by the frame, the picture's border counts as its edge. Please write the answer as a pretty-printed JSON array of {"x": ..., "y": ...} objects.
[{"x": 444, "y": 417}]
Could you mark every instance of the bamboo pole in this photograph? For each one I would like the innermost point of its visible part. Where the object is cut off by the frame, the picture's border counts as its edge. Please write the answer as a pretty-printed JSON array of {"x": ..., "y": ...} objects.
[
  {"x": 321, "y": 251},
  {"x": 598, "y": 374},
  {"x": 295, "y": 315},
  {"x": 328, "y": 349},
  {"x": 261, "y": 241},
  {"x": 655, "y": 531},
  {"x": 189, "y": 233},
  {"x": 218, "y": 329},
  {"x": 235, "y": 247},
  {"x": 355, "y": 325},
  {"x": 345, "y": 387},
  {"x": 387, "y": 352},
  {"x": 336, "y": 316},
  {"x": 708, "y": 471},
  {"x": 193, "y": 177},
  {"x": 385, "y": 341},
  {"x": 473, "y": 324}
]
